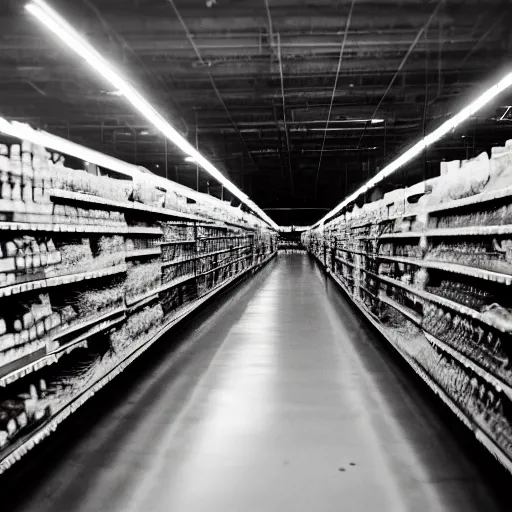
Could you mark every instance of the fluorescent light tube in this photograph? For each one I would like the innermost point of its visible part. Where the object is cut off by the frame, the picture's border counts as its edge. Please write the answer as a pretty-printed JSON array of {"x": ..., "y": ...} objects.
[
  {"x": 433, "y": 137},
  {"x": 67, "y": 34}
]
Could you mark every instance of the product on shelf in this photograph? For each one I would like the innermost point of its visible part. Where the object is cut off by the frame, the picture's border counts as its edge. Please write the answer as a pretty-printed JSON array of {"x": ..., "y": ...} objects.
[
  {"x": 489, "y": 254},
  {"x": 462, "y": 292},
  {"x": 452, "y": 323},
  {"x": 172, "y": 272},
  {"x": 142, "y": 278},
  {"x": 139, "y": 324},
  {"x": 91, "y": 273},
  {"x": 482, "y": 344},
  {"x": 20, "y": 414}
]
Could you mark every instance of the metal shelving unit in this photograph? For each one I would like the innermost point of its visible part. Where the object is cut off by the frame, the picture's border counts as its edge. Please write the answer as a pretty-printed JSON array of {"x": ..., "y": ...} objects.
[
  {"x": 412, "y": 288},
  {"x": 86, "y": 334}
]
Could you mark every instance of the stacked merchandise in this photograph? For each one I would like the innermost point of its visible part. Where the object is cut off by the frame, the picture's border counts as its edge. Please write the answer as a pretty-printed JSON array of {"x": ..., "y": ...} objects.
[
  {"x": 430, "y": 266},
  {"x": 222, "y": 254},
  {"x": 94, "y": 268},
  {"x": 142, "y": 279}
]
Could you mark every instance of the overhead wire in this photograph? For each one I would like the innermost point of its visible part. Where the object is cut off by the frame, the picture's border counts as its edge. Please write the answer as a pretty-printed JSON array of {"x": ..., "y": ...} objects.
[
  {"x": 403, "y": 62},
  {"x": 283, "y": 100},
  {"x": 212, "y": 81},
  {"x": 338, "y": 68}
]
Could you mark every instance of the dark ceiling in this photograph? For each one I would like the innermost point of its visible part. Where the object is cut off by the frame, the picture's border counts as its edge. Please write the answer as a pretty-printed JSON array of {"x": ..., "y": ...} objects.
[{"x": 253, "y": 80}]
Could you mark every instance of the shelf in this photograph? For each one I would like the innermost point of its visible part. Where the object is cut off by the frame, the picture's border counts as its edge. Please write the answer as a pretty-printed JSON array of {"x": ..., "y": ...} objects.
[
  {"x": 142, "y": 230},
  {"x": 175, "y": 282},
  {"x": 225, "y": 265},
  {"x": 239, "y": 225},
  {"x": 466, "y": 361},
  {"x": 476, "y": 199},
  {"x": 344, "y": 262},
  {"x": 209, "y": 238},
  {"x": 361, "y": 224},
  {"x": 479, "y": 433},
  {"x": 178, "y": 261},
  {"x": 407, "y": 312},
  {"x": 367, "y": 291},
  {"x": 164, "y": 212},
  {"x": 397, "y": 259},
  {"x": 141, "y": 253},
  {"x": 405, "y": 215},
  {"x": 447, "y": 303},
  {"x": 455, "y": 231},
  {"x": 48, "y": 427},
  {"x": 77, "y": 326},
  {"x": 212, "y": 225},
  {"x": 79, "y": 197},
  {"x": 40, "y": 359},
  {"x": 60, "y": 280},
  {"x": 341, "y": 284},
  {"x": 206, "y": 255},
  {"x": 61, "y": 228},
  {"x": 222, "y": 251},
  {"x": 102, "y": 324},
  {"x": 353, "y": 251},
  {"x": 146, "y": 299},
  {"x": 488, "y": 275},
  {"x": 130, "y": 301},
  {"x": 504, "y": 229},
  {"x": 456, "y": 268},
  {"x": 483, "y": 197},
  {"x": 178, "y": 242},
  {"x": 405, "y": 234}
]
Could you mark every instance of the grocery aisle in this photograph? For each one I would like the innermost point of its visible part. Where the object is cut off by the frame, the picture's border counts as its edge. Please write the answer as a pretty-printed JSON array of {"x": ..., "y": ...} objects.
[{"x": 277, "y": 397}]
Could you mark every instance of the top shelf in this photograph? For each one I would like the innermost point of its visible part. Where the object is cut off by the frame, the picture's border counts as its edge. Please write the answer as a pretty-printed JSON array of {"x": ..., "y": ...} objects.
[
  {"x": 67, "y": 195},
  {"x": 503, "y": 229},
  {"x": 483, "y": 197},
  {"x": 210, "y": 238}
]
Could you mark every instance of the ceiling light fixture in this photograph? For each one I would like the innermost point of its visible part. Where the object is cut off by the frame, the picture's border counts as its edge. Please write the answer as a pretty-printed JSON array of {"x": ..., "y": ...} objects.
[
  {"x": 377, "y": 121},
  {"x": 434, "y": 136},
  {"x": 67, "y": 34},
  {"x": 190, "y": 159}
]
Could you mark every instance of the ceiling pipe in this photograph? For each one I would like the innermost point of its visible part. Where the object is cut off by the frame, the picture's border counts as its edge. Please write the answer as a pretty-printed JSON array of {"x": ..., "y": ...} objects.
[
  {"x": 258, "y": 125},
  {"x": 219, "y": 96},
  {"x": 284, "y": 111},
  {"x": 111, "y": 32},
  {"x": 280, "y": 63},
  {"x": 279, "y": 138},
  {"x": 340, "y": 60},
  {"x": 340, "y": 150}
]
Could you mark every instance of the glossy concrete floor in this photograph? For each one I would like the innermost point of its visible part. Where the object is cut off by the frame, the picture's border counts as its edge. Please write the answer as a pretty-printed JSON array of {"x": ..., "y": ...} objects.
[{"x": 276, "y": 398}]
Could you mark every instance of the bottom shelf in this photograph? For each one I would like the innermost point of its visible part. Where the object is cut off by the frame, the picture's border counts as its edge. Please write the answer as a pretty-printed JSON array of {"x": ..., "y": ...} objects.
[{"x": 20, "y": 448}]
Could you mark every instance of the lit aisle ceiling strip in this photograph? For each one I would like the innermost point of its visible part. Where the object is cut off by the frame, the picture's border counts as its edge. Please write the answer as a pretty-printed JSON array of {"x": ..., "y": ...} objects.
[
  {"x": 66, "y": 33},
  {"x": 437, "y": 134}
]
